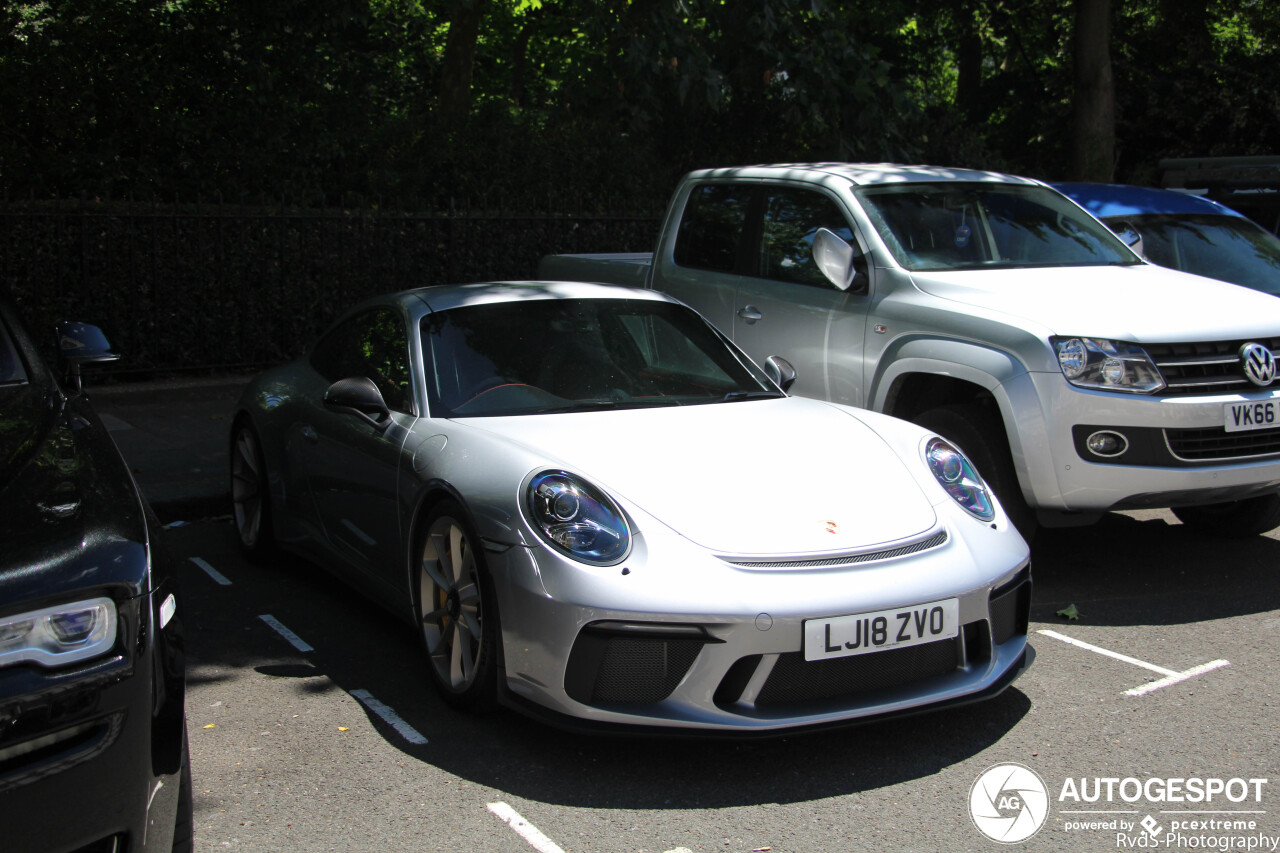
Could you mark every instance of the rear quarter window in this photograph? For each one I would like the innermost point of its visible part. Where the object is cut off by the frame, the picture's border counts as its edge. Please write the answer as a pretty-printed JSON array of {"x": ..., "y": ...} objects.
[{"x": 711, "y": 230}]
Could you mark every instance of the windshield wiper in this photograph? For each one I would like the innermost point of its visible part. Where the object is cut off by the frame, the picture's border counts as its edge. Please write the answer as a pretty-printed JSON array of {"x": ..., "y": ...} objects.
[
  {"x": 601, "y": 405},
  {"x": 750, "y": 395}
]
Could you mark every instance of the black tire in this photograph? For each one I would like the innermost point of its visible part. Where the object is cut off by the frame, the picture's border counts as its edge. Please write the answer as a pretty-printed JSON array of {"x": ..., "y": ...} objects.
[
  {"x": 1234, "y": 519},
  {"x": 456, "y": 611},
  {"x": 250, "y": 498},
  {"x": 980, "y": 434},
  {"x": 184, "y": 826}
]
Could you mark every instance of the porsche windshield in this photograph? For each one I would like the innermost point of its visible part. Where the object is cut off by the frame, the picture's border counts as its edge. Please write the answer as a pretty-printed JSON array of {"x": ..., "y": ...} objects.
[
  {"x": 559, "y": 355},
  {"x": 963, "y": 226}
]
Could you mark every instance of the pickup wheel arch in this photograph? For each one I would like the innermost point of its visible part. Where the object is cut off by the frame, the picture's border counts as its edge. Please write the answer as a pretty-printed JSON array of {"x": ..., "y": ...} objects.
[{"x": 978, "y": 431}]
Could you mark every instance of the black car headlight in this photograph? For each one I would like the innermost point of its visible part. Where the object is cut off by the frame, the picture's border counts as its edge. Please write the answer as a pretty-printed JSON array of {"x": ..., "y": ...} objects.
[
  {"x": 56, "y": 636},
  {"x": 957, "y": 476},
  {"x": 1107, "y": 365},
  {"x": 577, "y": 519}
]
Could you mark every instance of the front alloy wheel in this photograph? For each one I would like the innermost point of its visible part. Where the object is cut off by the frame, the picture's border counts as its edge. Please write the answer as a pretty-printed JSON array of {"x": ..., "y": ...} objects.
[
  {"x": 455, "y": 612},
  {"x": 249, "y": 499}
]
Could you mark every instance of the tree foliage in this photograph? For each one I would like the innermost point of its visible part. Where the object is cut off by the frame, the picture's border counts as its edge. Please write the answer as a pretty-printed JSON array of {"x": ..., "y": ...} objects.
[{"x": 317, "y": 99}]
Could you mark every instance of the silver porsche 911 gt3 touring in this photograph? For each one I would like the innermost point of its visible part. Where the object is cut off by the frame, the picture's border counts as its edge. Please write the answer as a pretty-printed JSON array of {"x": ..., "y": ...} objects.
[{"x": 596, "y": 509}]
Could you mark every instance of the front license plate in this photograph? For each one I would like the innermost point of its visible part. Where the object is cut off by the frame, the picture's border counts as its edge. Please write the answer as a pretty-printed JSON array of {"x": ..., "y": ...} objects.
[
  {"x": 1240, "y": 417},
  {"x": 897, "y": 628}
]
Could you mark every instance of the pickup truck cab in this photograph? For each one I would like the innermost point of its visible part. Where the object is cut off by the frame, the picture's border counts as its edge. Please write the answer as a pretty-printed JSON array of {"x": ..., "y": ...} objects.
[{"x": 995, "y": 311}]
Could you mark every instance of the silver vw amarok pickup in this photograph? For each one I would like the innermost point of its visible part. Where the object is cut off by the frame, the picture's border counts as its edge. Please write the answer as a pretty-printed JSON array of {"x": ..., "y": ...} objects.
[{"x": 995, "y": 311}]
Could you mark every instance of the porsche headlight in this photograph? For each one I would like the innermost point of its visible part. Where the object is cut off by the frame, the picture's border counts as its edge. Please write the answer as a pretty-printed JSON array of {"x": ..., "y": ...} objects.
[
  {"x": 59, "y": 635},
  {"x": 1107, "y": 365},
  {"x": 956, "y": 474},
  {"x": 577, "y": 519}
]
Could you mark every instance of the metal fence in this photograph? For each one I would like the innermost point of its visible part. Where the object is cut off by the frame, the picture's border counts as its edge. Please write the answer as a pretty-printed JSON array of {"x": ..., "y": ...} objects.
[{"x": 203, "y": 287}]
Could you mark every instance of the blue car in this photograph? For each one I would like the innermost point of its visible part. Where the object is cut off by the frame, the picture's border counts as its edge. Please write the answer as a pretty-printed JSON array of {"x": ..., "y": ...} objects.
[{"x": 1186, "y": 232}]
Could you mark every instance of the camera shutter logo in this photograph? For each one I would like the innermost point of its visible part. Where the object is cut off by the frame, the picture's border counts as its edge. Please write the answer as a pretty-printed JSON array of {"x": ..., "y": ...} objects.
[
  {"x": 1009, "y": 803},
  {"x": 1259, "y": 364}
]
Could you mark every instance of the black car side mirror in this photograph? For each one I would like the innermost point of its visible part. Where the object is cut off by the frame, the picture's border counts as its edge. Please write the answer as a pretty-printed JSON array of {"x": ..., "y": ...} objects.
[
  {"x": 357, "y": 395},
  {"x": 80, "y": 344},
  {"x": 780, "y": 371}
]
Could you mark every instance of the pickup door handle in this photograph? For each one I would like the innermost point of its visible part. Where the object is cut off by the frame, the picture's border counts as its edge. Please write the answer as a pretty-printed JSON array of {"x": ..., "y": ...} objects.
[{"x": 750, "y": 313}]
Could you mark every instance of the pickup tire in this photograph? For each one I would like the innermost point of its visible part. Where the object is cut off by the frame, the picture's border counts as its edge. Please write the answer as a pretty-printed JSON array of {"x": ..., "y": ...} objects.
[
  {"x": 1233, "y": 519},
  {"x": 980, "y": 434}
]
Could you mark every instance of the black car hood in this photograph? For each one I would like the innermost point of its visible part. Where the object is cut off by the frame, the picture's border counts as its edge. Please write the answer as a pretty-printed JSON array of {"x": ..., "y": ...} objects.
[{"x": 70, "y": 515}]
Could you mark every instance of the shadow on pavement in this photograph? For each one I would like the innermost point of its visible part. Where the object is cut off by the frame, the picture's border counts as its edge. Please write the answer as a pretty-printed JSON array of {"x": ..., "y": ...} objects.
[{"x": 1150, "y": 570}]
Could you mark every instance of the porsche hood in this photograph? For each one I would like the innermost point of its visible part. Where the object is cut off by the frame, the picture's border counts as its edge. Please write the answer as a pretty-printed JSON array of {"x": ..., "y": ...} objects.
[{"x": 787, "y": 476}]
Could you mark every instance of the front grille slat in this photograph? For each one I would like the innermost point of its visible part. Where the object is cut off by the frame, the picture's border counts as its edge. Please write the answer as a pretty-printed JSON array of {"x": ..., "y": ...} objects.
[
  {"x": 1203, "y": 367},
  {"x": 795, "y": 680},
  {"x": 629, "y": 669},
  {"x": 916, "y": 547},
  {"x": 1210, "y": 443}
]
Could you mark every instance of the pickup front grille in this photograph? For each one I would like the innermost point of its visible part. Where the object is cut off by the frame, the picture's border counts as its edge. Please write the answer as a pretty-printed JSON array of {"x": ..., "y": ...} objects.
[
  {"x": 1204, "y": 367},
  {"x": 1204, "y": 445}
]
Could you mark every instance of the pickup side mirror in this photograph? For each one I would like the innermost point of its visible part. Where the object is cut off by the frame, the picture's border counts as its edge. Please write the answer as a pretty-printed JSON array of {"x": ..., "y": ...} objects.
[
  {"x": 780, "y": 371},
  {"x": 357, "y": 395},
  {"x": 80, "y": 344},
  {"x": 839, "y": 261}
]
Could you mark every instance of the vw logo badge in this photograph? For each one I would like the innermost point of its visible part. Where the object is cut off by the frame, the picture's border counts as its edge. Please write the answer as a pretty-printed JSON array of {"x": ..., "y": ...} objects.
[{"x": 1259, "y": 364}]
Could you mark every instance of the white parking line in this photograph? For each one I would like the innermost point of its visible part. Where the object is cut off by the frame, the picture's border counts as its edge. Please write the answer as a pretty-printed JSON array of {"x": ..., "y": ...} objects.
[
  {"x": 209, "y": 570},
  {"x": 296, "y": 641},
  {"x": 1176, "y": 677},
  {"x": 389, "y": 716},
  {"x": 526, "y": 830},
  {"x": 1170, "y": 676}
]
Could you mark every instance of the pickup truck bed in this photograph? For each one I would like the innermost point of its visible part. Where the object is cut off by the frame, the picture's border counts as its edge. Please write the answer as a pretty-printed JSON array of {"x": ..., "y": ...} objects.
[{"x": 630, "y": 269}]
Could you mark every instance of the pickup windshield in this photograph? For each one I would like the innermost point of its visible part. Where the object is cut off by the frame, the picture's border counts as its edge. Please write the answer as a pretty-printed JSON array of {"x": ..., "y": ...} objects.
[
  {"x": 543, "y": 356},
  {"x": 964, "y": 226}
]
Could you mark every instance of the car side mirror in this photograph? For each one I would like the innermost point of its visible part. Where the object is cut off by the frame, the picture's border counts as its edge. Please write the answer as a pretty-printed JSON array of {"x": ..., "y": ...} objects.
[
  {"x": 357, "y": 395},
  {"x": 1129, "y": 235},
  {"x": 780, "y": 371},
  {"x": 839, "y": 262},
  {"x": 80, "y": 344}
]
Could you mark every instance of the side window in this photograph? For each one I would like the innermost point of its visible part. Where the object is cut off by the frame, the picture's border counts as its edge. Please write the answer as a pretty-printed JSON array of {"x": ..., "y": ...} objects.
[
  {"x": 791, "y": 219},
  {"x": 712, "y": 227},
  {"x": 11, "y": 370},
  {"x": 373, "y": 344}
]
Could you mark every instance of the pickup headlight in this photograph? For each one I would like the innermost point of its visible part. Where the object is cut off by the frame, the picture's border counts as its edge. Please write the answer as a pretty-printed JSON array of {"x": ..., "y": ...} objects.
[
  {"x": 577, "y": 519},
  {"x": 956, "y": 474},
  {"x": 1107, "y": 365},
  {"x": 60, "y": 635}
]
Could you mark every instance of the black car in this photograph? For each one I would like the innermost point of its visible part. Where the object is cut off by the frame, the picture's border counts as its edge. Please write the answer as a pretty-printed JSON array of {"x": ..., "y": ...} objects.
[{"x": 93, "y": 746}]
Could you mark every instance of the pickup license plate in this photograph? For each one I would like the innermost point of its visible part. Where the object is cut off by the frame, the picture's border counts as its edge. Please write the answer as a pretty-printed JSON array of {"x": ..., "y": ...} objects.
[
  {"x": 1241, "y": 417},
  {"x": 896, "y": 628}
]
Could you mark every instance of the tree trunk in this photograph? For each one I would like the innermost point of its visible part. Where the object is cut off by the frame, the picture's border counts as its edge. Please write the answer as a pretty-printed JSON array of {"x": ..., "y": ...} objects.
[
  {"x": 459, "y": 58},
  {"x": 969, "y": 82},
  {"x": 1094, "y": 115}
]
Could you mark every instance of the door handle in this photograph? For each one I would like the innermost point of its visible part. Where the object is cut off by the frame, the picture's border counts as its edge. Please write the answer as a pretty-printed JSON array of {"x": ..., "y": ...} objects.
[
  {"x": 750, "y": 313},
  {"x": 309, "y": 433}
]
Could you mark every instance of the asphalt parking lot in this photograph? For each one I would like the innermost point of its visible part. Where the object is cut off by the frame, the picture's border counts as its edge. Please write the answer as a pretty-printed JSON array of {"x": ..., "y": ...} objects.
[{"x": 314, "y": 727}]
